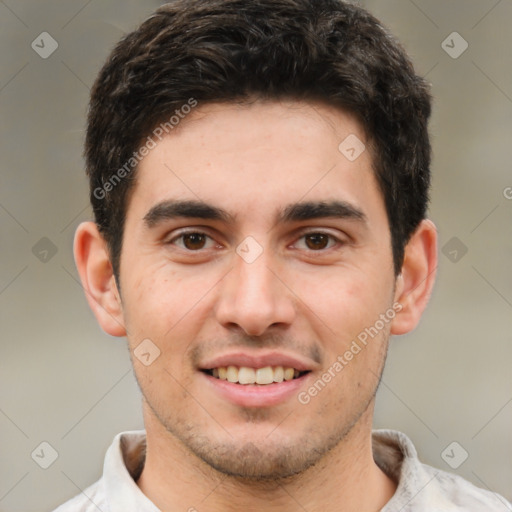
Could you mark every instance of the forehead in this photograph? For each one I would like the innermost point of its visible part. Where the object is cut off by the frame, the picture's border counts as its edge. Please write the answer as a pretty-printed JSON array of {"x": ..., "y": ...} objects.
[{"x": 255, "y": 157}]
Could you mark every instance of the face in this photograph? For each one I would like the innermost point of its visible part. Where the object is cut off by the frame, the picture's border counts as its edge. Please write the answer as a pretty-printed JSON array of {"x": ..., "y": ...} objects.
[{"x": 255, "y": 254}]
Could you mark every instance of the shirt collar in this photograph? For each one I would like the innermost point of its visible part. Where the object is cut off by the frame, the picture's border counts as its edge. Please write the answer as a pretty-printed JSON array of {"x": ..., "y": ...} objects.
[
  {"x": 124, "y": 461},
  {"x": 393, "y": 452}
]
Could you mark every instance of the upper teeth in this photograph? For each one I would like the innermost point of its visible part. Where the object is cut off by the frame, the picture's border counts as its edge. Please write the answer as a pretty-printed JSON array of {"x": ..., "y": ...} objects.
[{"x": 245, "y": 375}]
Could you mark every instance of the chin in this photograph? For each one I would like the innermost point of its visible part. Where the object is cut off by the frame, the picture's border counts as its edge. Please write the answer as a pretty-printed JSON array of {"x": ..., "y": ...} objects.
[{"x": 266, "y": 464}]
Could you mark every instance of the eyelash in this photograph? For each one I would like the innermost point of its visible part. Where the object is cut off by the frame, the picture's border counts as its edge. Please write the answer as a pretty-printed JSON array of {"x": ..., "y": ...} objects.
[{"x": 303, "y": 235}]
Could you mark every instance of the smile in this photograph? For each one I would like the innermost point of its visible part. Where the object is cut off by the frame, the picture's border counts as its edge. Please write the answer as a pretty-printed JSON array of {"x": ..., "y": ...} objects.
[{"x": 259, "y": 376}]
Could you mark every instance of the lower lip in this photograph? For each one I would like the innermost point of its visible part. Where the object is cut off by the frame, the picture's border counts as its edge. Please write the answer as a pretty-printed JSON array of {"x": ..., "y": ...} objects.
[{"x": 254, "y": 395}]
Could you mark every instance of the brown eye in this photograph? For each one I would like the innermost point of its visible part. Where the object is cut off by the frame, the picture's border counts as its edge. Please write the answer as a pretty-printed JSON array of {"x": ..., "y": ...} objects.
[
  {"x": 194, "y": 241},
  {"x": 316, "y": 241}
]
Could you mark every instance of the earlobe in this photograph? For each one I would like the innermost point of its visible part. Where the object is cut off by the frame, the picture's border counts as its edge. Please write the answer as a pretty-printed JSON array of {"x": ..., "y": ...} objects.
[
  {"x": 96, "y": 273},
  {"x": 414, "y": 284}
]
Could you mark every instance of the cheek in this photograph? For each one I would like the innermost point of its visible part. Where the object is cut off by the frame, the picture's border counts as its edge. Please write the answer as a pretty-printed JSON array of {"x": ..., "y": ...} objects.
[
  {"x": 157, "y": 294},
  {"x": 346, "y": 300},
  {"x": 353, "y": 370},
  {"x": 169, "y": 307},
  {"x": 352, "y": 332}
]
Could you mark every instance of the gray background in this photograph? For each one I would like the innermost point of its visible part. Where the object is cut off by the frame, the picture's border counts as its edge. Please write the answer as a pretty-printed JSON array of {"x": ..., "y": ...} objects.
[{"x": 65, "y": 382}]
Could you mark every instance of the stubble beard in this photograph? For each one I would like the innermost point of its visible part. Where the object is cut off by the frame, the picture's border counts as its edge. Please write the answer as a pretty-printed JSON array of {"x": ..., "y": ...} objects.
[{"x": 270, "y": 460}]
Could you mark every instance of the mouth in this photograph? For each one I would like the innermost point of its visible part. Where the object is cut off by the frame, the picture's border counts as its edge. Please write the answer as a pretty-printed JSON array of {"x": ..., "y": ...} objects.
[
  {"x": 247, "y": 376},
  {"x": 258, "y": 378}
]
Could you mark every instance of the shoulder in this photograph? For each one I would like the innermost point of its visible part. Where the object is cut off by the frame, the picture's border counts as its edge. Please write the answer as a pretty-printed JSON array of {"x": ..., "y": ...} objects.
[
  {"x": 458, "y": 494},
  {"x": 91, "y": 499},
  {"x": 123, "y": 462},
  {"x": 449, "y": 492},
  {"x": 423, "y": 488}
]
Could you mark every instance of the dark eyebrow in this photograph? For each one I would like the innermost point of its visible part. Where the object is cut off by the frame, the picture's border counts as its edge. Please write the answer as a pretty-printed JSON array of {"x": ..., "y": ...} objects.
[
  {"x": 187, "y": 209},
  {"x": 320, "y": 209},
  {"x": 294, "y": 212}
]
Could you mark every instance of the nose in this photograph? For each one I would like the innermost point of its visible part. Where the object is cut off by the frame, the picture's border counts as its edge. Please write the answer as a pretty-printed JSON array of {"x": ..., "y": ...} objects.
[{"x": 254, "y": 297}]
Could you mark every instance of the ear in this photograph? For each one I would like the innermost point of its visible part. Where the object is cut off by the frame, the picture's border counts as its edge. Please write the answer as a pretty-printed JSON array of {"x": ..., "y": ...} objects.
[
  {"x": 97, "y": 276},
  {"x": 415, "y": 282}
]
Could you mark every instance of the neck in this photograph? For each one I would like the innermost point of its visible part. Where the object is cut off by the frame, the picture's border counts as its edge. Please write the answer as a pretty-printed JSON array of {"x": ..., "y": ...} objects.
[{"x": 345, "y": 480}]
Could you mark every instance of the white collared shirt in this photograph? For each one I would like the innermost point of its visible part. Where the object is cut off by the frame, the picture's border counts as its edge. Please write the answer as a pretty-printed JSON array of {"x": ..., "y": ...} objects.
[{"x": 421, "y": 488}]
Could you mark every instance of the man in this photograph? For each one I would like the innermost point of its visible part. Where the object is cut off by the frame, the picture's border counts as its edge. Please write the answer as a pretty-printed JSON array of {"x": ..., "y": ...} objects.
[{"x": 259, "y": 176}]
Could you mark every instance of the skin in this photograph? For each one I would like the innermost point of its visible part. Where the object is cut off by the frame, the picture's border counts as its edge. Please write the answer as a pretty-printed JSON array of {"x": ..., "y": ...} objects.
[{"x": 298, "y": 297}]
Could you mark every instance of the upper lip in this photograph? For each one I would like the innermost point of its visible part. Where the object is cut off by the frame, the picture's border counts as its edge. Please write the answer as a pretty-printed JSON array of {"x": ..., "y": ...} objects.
[{"x": 259, "y": 360}]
